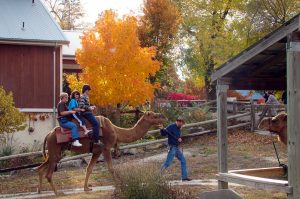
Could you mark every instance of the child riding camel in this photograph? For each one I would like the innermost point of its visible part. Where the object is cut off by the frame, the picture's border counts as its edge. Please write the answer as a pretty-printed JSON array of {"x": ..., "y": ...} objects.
[
  {"x": 84, "y": 103},
  {"x": 64, "y": 118},
  {"x": 73, "y": 106}
]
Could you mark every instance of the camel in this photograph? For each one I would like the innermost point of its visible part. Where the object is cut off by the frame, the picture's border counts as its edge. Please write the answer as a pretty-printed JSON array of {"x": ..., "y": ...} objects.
[
  {"x": 111, "y": 136},
  {"x": 277, "y": 125}
]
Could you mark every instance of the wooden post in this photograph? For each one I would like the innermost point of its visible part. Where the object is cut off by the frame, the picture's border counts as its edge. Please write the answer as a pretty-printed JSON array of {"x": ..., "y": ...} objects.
[
  {"x": 252, "y": 116},
  {"x": 116, "y": 115},
  {"x": 234, "y": 110},
  {"x": 293, "y": 88},
  {"x": 222, "y": 131},
  {"x": 137, "y": 113}
]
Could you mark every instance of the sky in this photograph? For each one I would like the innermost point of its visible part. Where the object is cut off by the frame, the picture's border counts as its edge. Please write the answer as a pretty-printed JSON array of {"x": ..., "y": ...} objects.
[{"x": 93, "y": 7}]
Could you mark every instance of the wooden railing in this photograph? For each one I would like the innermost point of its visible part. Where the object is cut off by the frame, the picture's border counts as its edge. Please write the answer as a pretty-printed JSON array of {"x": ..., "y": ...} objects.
[{"x": 133, "y": 145}]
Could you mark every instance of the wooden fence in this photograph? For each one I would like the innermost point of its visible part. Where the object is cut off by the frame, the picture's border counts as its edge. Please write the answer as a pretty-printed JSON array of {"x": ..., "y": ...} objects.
[
  {"x": 253, "y": 108},
  {"x": 265, "y": 110},
  {"x": 131, "y": 145}
]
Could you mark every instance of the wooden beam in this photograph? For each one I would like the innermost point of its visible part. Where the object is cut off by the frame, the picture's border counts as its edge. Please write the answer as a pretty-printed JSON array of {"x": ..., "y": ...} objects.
[
  {"x": 248, "y": 83},
  {"x": 273, "y": 52},
  {"x": 222, "y": 130},
  {"x": 257, "y": 48},
  {"x": 252, "y": 116},
  {"x": 293, "y": 88},
  {"x": 256, "y": 182},
  {"x": 261, "y": 172},
  {"x": 273, "y": 60}
]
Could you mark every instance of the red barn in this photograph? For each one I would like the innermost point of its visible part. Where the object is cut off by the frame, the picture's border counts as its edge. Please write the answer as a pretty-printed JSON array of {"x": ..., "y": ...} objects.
[{"x": 30, "y": 55}]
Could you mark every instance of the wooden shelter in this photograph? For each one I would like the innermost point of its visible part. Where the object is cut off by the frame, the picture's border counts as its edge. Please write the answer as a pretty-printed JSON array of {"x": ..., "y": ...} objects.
[{"x": 273, "y": 63}]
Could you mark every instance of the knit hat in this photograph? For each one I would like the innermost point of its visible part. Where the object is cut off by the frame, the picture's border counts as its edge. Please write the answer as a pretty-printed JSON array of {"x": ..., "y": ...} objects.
[{"x": 85, "y": 88}]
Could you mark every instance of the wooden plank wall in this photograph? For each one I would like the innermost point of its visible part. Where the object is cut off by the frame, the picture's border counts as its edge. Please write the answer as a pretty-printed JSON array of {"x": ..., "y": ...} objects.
[{"x": 27, "y": 71}]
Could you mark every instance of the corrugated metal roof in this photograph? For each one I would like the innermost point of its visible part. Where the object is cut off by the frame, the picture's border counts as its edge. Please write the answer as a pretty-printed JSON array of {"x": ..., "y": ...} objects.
[
  {"x": 39, "y": 26},
  {"x": 75, "y": 42}
]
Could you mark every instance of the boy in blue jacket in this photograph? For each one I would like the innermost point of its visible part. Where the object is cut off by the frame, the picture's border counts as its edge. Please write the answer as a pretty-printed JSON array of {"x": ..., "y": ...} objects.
[{"x": 173, "y": 132}]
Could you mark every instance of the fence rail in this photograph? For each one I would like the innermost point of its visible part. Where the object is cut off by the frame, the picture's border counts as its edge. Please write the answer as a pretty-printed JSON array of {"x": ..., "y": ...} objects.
[
  {"x": 125, "y": 147},
  {"x": 266, "y": 110},
  {"x": 142, "y": 144}
]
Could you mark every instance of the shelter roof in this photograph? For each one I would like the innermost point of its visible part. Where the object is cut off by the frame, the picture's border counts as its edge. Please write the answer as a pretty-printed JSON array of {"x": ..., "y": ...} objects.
[{"x": 261, "y": 66}]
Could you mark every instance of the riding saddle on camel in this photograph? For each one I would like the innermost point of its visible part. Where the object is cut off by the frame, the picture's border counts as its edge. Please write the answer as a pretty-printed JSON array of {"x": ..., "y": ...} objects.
[{"x": 63, "y": 135}]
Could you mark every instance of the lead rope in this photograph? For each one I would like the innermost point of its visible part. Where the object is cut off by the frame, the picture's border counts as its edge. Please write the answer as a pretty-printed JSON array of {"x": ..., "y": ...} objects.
[
  {"x": 177, "y": 141},
  {"x": 276, "y": 153},
  {"x": 284, "y": 166}
]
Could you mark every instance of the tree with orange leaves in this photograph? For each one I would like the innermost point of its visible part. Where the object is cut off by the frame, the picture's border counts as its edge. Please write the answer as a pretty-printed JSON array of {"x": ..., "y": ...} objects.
[{"x": 114, "y": 64}]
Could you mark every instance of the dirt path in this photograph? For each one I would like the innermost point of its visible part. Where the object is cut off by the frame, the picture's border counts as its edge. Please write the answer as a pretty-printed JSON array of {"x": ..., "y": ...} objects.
[
  {"x": 50, "y": 193},
  {"x": 245, "y": 150},
  {"x": 208, "y": 182}
]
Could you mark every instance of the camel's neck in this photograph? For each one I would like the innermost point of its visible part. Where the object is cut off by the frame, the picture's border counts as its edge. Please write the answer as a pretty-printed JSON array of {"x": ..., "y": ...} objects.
[
  {"x": 132, "y": 134},
  {"x": 283, "y": 136}
]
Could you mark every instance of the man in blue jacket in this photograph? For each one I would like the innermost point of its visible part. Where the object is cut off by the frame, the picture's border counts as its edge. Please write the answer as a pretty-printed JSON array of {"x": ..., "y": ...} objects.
[{"x": 174, "y": 139}]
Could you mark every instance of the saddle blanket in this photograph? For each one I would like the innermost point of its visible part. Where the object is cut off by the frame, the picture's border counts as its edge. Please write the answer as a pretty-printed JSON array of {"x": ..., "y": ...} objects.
[{"x": 64, "y": 135}]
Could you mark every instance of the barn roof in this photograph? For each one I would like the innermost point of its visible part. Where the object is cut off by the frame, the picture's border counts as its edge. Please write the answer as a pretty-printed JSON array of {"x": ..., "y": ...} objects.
[
  {"x": 28, "y": 21},
  {"x": 261, "y": 66},
  {"x": 75, "y": 42}
]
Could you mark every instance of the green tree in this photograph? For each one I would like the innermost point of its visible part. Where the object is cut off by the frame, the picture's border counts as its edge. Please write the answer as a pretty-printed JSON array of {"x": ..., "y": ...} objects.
[
  {"x": 208, "y": 35},
  {"x": 66, "y": 12},
  {"x": 11, "y": 119},
  {"x": 158, "y": 27},
  {"x": 215, "y": 31},
  {"x": 264, "y": 16}
]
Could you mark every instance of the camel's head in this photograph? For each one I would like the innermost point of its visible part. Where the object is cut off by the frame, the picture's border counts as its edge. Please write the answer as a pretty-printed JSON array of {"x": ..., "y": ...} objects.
[
  {"x": 274, "y": 124},
  {"x": 154, "y": 118}
]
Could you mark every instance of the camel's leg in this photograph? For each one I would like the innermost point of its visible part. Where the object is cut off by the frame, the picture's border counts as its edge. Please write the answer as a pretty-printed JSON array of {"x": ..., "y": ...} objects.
[
  {"x": 51, "y": 168},
  {"x": 89, "y": 170},
  {"x": 116, "y": 151},
  {"x": 42, "y": 171},
  {"x": 108, "y": 159}
]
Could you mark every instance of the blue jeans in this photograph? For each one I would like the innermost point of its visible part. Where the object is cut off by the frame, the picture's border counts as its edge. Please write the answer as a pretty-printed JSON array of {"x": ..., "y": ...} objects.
[
  {"x": 65, "y": 123},
  {"x": 175, "y": 151},
  {"x": 79, "y": 118},
  {"x": 96, "y": 126}
]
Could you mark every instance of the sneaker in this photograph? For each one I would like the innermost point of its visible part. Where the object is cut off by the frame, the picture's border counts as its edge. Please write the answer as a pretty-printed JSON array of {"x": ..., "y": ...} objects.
[
  {"x": 87, "y": 132},
  {"x": 186, "y": 179},
  {"x": 76, "y": 143}
]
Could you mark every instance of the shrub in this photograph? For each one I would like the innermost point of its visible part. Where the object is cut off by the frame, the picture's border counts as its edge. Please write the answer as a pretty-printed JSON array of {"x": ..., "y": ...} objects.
[
  {"x": 197, "y": 115},
  {"x": 11, "y": 119},
  {"x": 133, "y": 182},
  {"x": 127, "y": 120},
  {"x": 190, "y": 115},
  {"x": 181, "y": 96},
  {"x": 6, "y": 150},
  {"x": 141, "y": 181}
]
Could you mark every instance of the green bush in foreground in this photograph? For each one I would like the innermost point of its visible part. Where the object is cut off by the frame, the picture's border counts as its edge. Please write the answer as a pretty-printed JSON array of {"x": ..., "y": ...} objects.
[{"x": 141, "y": 181}]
